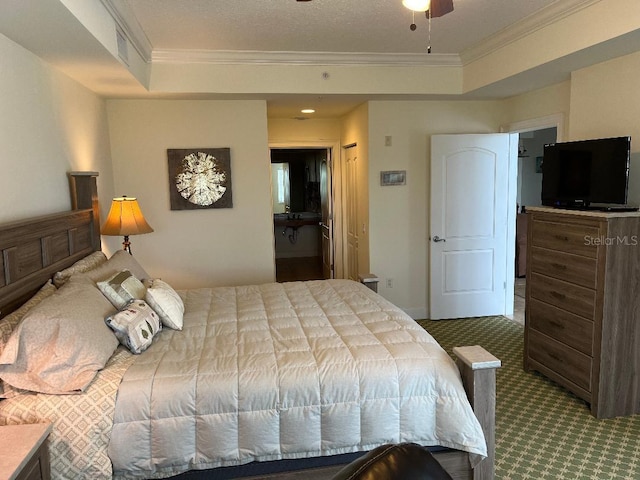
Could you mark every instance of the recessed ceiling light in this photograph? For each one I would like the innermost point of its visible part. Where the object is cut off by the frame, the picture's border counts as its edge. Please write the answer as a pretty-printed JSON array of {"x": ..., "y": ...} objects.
[{"x": 308, "y": 110}]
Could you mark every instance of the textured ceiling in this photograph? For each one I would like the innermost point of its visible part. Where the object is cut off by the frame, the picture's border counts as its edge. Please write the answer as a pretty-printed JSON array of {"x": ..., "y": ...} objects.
[{"x": 369, "y": 26}]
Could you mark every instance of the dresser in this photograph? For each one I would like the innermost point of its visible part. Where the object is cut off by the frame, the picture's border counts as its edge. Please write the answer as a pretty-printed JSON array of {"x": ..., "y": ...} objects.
[{"x": 582, "y": 313}]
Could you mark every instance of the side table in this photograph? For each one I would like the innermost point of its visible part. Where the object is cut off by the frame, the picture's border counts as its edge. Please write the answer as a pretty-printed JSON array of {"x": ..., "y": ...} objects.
[{"x": 24, "y": 453}]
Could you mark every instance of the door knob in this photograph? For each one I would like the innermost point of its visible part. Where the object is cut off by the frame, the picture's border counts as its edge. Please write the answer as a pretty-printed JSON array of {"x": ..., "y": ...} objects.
[{"x": 436, "y": 238}]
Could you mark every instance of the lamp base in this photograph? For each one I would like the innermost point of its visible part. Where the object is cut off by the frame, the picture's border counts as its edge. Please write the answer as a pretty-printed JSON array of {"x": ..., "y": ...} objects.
[{"x": 126, "y": 245}]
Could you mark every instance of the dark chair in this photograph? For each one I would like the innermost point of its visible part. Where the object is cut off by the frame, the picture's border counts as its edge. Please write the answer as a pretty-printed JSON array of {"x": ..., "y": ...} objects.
[{"x": 403, "y": 461}]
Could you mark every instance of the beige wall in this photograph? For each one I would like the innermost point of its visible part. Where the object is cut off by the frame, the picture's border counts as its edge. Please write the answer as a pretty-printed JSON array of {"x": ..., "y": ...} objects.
[
  {"x": 197, "y": 248},
  {"x": 544, "y": 103},
  {"x": 49, "y": 125},
  {"x": 399, "y": 215},
  {"x": 605, "y": 102}
]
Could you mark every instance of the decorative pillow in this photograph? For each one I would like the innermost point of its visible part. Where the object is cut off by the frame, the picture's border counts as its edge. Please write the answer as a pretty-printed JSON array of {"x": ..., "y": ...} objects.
[
  {"x": 135, "y": 326},
  {"x": 9, "y": 323},
  {"x": 121, "y": 288},
  {"x": 61, "y": 343},
  {"x": 166, "y": 302},
  {"x": 83, "y": 265},
  {"x": 119, "y": 261}
]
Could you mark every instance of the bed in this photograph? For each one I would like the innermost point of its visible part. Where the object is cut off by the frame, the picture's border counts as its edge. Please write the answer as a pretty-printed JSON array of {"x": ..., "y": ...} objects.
[{"x": 314, "y": 373}]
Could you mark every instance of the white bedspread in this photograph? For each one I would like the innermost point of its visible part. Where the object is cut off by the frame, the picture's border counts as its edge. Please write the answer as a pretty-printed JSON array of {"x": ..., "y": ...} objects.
[{"x": 286, "y": 371}]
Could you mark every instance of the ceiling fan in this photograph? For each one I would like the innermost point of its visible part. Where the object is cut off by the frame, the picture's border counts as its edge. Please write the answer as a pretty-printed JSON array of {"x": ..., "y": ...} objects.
[{"x": 431, "y": 9}]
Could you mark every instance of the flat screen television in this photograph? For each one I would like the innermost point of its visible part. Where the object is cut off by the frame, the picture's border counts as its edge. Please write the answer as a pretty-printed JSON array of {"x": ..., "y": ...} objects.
[{"x": 589, "y": 174}]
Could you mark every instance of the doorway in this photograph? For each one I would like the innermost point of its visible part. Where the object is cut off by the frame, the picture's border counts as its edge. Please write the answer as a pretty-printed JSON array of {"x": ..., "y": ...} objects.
[
  {"x": 301, "y": 195},
  {"x": 529, "y": 194}
]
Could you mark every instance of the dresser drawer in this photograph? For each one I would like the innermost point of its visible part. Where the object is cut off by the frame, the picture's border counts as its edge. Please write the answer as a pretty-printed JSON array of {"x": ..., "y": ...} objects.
[
  {"x": 564, "y": 266},
  {"x": 563, "y": 326},
  {"x": 567, "y": 362},
  {"x": 564, "y": 295},
  {"x": 565, "y": 237}
]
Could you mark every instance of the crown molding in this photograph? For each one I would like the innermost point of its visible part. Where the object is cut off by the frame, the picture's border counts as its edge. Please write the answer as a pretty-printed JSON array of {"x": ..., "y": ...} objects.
[
  {"x": 528, "y": 25},
  {"x": 127, "y": 22},
  {"x": 129, "y": 26},
  {"x": 250, "y": 57}
]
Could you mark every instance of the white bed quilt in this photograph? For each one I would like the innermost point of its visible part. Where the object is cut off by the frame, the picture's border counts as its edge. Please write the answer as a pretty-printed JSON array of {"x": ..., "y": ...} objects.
[{"x": 286, "y": 370}]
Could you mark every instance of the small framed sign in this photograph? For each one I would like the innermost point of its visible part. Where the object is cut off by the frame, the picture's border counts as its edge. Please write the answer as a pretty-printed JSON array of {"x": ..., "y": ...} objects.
[{"x": 393, "y": 177}]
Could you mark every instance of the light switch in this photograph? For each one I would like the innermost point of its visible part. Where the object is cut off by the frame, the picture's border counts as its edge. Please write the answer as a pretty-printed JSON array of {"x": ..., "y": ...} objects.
[{"x": 387, "y": 141}]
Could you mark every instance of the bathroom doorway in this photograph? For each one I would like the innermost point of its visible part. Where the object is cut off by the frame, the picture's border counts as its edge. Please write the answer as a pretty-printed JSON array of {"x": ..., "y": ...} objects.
[{"x": 301, "y": 195}]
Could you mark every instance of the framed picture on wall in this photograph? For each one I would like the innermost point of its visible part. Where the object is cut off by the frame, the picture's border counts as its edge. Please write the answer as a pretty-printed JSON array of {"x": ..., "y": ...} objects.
[
  {"x": 393, "y": 177},
  {"x": 199, "y": 178}
]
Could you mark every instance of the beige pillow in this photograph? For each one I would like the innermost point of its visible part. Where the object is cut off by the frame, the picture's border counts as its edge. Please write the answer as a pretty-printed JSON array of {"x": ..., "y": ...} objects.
[
  {"x": 121, "y": 288},
  {"x": 61, "y": 343},
  {"x": 166, "y": 302},
  {"x": 135, "y": 326},
  {"x": 119, "y": 261},
  {"x": 83, "y": 265},
  {"x": 10, "y": 322}
]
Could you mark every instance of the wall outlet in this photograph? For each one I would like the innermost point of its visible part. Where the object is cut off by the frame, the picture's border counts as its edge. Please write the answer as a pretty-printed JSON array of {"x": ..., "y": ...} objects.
[
  {"x": 389, "y": 282},
  {"x": 387, "y": 140}
]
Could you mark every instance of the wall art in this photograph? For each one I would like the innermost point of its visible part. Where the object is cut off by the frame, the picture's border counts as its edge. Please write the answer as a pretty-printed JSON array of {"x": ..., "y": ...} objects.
[{"x": 199, "y": 178}]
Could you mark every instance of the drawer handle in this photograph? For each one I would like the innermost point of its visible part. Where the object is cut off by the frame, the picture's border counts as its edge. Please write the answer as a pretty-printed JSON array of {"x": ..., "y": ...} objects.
[
  {"x": 559, "y": 326},
  {"x": 559, "y": 296},
  {"x": 562, "y": 238},
  {"x": 559, "y": 266},
  {"x": 553, "y": 356}
]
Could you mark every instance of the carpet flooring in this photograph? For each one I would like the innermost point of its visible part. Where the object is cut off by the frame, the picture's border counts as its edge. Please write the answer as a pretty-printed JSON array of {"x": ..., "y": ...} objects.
[{"x": 542, "y": 430}]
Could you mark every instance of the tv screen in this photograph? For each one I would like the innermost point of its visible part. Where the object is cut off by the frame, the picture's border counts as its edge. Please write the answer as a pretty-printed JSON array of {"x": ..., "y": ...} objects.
[{"x": 586, "y": 173}]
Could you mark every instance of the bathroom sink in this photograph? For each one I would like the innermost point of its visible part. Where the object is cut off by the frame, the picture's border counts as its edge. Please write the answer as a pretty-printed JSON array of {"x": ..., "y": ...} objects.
[{"x": 295, "y": 220}]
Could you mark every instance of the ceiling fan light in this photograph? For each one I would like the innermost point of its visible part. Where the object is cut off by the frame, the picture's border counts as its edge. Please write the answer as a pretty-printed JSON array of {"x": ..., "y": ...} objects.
[{"x": 417, "y": 5}]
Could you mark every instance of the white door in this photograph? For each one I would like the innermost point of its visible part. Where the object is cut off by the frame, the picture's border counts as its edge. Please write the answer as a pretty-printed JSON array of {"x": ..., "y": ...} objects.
[
  {"x": 351, "y": 208},
  {"x": 326, "y": 225},
  {"x": 471, "y": 261}
]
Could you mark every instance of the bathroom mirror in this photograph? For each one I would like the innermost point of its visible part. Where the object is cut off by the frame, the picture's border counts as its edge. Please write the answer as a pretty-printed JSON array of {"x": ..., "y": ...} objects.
[
  {"x": 280, "y": 187},
  {"x": 295, "y": 177}
]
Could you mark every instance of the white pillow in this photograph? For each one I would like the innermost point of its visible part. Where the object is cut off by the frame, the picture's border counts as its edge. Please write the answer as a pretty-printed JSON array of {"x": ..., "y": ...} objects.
[
  {"x": 135, "y": 326},
  {"x": 121, "y": 288},
  {"x": 166, "y": 302}
]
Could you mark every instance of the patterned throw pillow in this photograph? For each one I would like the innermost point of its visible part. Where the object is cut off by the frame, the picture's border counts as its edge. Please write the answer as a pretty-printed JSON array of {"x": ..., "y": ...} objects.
[
  {"x": 166, "y": 302},
  {"x": 121, "y": 288},
  {"x": 135, "y": 326}
]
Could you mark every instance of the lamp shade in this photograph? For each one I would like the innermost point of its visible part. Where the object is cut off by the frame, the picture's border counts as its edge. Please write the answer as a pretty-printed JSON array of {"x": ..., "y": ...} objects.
[
  {"x": 417, "y": 5},
  {"x": 125, "y": 218}
]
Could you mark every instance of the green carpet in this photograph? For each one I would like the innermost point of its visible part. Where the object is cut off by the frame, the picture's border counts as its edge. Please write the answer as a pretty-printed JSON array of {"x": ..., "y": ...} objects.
[{"x": 542, "y": 430}]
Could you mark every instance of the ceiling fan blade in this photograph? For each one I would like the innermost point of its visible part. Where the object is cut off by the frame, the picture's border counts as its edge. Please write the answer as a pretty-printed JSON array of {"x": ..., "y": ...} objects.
[{"x": 439, "y": 8}]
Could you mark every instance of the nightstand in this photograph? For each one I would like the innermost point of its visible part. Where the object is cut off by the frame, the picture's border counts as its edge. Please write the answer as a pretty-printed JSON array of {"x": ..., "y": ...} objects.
[{"x": 24, "y": 454}]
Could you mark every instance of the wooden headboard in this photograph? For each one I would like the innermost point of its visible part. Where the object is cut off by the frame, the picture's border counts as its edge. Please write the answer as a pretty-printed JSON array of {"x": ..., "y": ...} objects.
[{"x": 32, "y": 250}]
